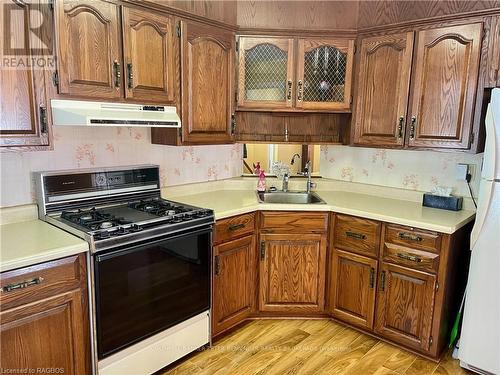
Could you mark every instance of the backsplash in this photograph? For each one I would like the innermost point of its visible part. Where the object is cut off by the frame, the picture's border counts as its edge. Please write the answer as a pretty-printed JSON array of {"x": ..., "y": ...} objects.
[
  {"x": 80, "y": 147},
  {"x": 414, "y": 170}
]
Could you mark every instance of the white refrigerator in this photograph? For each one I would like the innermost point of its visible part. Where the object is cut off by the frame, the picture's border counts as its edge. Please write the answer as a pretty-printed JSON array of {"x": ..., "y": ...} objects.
[{"x": 480, "y": 339}]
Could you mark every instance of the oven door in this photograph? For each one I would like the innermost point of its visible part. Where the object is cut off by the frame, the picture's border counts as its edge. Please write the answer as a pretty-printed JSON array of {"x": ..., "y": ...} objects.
[{"x": 143, "y": 289}]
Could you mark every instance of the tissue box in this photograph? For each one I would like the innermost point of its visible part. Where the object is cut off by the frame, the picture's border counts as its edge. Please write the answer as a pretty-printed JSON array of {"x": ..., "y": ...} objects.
[{"x": 451, "y": 203}]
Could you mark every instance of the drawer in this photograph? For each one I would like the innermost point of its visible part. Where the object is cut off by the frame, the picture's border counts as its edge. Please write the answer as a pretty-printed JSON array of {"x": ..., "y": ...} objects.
[
  {"x": 411, "y": 258},
  {"x": 357, "y": 235},
  {"x": 233, "y": 227},
  {"x": 40, "y": 281},
  {"x": 415, "y": 238},
  {"x": 297, "y": 222}
]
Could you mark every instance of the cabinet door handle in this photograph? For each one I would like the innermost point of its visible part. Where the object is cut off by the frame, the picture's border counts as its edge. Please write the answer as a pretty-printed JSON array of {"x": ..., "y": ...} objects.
[
  {"x": 382, "y": 281},
  {"x": 217, "y": 266},
  {"x": 289, "y": 90},
  {"x": 43, "y": 119},
  {"x": 372, "y": 278},
  {"x": 22, "y": 284},
  {"x": 400, "y": 127},
  {"x": 299, "y": 90},
  {"x": 262, "y": 250},
  {"x": 409, "y": 237},
  {"x": 412, "y": 258},
  {"x": 236, "y": 226},
  {"x": 130, "y": 76},
  {"x": 233, "y": 124},
  {"x": 358, "y": 236},
  {"x": 118, "y": 73},
  {"x": 412, "y": 127}
]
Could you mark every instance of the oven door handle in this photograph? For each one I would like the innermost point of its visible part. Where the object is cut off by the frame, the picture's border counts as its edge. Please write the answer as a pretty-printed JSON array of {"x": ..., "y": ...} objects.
[{"x": 127, "y": 249}]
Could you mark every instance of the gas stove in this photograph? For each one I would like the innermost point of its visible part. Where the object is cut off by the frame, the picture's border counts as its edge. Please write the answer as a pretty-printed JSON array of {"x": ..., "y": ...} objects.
[{"x": 112, "y": 207}]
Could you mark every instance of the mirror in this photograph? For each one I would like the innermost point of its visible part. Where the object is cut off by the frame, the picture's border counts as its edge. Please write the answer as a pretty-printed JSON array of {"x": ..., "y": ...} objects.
[{"x": 266, "y": 155}]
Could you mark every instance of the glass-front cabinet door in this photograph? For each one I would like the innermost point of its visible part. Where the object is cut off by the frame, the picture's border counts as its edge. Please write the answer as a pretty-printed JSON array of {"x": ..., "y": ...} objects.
[
  {"x": 266, "y": 73},
  {"x": 324, "y": 74}
]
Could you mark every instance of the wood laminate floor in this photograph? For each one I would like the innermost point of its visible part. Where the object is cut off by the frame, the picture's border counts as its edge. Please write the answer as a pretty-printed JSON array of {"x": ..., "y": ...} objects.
[{"x": 265, "y": 347}]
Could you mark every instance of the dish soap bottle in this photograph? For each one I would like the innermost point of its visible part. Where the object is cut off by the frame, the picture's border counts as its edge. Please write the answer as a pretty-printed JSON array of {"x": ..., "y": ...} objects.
[{"x": 261, "y": 184}]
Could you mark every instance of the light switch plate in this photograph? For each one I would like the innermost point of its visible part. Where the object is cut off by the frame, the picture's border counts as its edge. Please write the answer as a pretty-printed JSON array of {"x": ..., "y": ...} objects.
[{"x": 462, "y": 171}]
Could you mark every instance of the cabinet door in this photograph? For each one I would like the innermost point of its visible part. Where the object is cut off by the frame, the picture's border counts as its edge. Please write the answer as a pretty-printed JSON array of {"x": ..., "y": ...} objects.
[
  {"x": 234, "y": 282},
  {"x": 88, "y": 48},
  {"x": 405, "y": 305},
  {"x": 23, "y": 102},
  {"x": 49, "y": 334},
  {"x": 445, "y": 76},
  {"x": 266, "y": 73},
  {"x": 207, "y": 89},
  {"x": 149, "y": 55},
  {"x": 353, "y": 288},
  {"x": 292, "y": 273},
  {"x": 492, "y": 62},
  {"x": 324, "y": 74},
  {"x": 383, "y": 87}
]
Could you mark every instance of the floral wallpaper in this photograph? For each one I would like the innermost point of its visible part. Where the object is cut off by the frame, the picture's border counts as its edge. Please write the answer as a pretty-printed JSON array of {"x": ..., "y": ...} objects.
[
  {"x": 81, "y": 147},
  {"x": 414, "y": 170}
]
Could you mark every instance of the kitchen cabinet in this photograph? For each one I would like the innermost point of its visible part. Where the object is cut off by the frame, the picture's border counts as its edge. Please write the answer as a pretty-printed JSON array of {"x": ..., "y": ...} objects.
[
  {"x": 292, "y": 273},
  {"x": 93, "y": 64},
  {"x": 405, "y": 306},
  {"x": 207, "y": 86},
  {"x": 234, "y": 271},
  {"x": 492, "y": 62},
  {"x": 324, "y": 74},
  {"x": 438, "y": 109},
  {"x": 89, "y": 62},
  {"x": 353, "y": 288},
  {"x": 149, "y": 55},
  {"x": 295, "y": 74},
  {"x": 383, "y": 89},
  {"x": 44, "y": 313},
  {"x": 23, "y": 103},
  {"x": 234, "y": 283},
  {"x": 444, "y": 85}
]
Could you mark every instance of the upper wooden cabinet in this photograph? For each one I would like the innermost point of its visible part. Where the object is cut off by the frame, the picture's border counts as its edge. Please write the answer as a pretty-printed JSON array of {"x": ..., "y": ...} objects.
[
  {"x": 492, "y": 62},
  {"x": 290, "y": 74},
  {"x": 23, "y": 99},
  {"x": 93, "y": 64},
  {"x": 266, "y": 72},
  {"x": 384, "y": 80},
  {"x": 207, "y": 87},
  {"x": 324, "y": 74},
  {"x": 438, "y": 111},
  {"x": 444, "y": 86},
  {"x": 88, "y": 48},
  {"x": 149, "y": 55}
]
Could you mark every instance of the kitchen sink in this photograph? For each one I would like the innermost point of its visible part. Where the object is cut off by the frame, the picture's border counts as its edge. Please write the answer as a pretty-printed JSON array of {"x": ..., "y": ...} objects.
[{"x": 291, "y": 197}]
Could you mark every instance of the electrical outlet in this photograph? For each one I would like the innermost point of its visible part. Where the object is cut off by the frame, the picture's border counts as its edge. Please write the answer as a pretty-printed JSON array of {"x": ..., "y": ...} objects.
[{"x": 462, "y": 172}]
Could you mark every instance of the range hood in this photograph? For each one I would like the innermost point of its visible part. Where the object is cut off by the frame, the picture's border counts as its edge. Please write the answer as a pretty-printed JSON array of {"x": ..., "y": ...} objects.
[{"x": 82, "y": 113}]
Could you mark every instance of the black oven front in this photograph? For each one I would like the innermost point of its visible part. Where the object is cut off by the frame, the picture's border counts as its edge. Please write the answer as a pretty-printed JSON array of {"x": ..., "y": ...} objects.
[{"x": 145, "y": 288}]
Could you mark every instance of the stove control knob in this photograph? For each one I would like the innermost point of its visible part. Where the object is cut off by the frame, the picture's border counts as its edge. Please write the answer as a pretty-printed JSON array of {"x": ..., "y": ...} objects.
[
  {"x": 121, "y": 231},
  {"x": 135, "y": 228},
  {"x": 102, "y": 235}
]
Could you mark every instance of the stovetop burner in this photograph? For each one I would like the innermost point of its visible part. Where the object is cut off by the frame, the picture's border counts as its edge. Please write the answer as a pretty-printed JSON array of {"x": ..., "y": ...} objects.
[
  {"x": 94, "y": 219},
  {"x": 158, "y": 207}
]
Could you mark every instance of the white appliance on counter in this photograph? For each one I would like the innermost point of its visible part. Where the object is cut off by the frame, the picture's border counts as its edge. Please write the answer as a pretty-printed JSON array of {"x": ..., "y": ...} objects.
[
  {"x": 480, "y": 340},
  {"x": 83, "y": 113}
]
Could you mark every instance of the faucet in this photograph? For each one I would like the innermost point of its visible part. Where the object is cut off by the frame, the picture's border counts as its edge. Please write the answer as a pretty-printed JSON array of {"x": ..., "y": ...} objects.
[
  {"x": 286, "y": 176},
  {"x": 293, "y": 158},
  {"x": 307, "y": 172}
]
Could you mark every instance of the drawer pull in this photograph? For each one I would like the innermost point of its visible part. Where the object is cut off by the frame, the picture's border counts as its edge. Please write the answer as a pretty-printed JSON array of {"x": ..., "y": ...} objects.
[
  {"x": 22, "y": 284},
  {"x": 359, "y": 236},
  {"x": 412, "y": 258},
  {"x": 236, "y": 227},
  {"x": 372, "y": 278},
  {"x": 409, "y": 237},
  {"x": 382, "y": 281}
]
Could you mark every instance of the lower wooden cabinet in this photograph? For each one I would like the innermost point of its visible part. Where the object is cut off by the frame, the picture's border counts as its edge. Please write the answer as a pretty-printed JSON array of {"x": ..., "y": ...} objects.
[
  {"x": 292, "y": 273},
  {"x": 405, "y": 304},
  {"x": 45, "y": 323},
  {"x": 353, "y": 288},
  {"x": 234, "y": 282}
]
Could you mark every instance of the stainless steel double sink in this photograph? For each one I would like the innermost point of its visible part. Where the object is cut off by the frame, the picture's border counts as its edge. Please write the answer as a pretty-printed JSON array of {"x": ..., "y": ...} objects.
[{"x": 290, "y": 197}]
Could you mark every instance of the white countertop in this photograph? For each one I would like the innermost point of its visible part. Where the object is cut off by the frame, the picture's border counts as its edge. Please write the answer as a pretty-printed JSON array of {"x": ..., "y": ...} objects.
[
  {"x": 31, "y": 241},
  {"x": 229, "y": 202}
]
